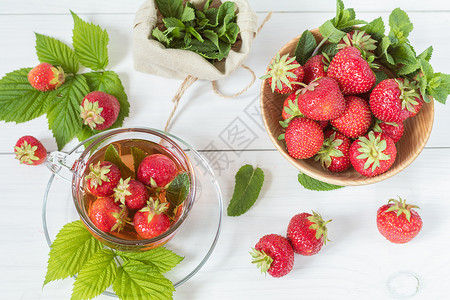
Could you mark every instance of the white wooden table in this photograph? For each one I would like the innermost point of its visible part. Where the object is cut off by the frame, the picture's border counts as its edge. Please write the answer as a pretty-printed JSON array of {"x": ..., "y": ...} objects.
[{"x": 355, "y": 265}]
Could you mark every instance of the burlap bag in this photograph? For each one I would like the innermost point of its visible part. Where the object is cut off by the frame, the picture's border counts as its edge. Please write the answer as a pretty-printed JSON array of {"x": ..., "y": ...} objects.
[{"x": 152, "y": 57}]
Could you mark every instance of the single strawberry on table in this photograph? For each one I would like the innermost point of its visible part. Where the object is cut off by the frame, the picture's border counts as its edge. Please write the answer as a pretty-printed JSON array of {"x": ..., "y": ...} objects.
[
  {"x": 284, "y": 74},
  {"x": 372, "y": 154},
  {"x": 356, "y": 119},
  {"x": 398, "y": 222},
  {"x": 131, "y": 193},
  {"x": 307, "y": 233},
  {"x": 315, "y": 68},
  {"x": 351, "y": 71},
  {"x": 30, "y": 151},
  {"x": 45, "y": 77},
  {"x": 156, "y": 170},
  {"x": 304, "y": 138},
  {"x": 107, "y": 215},
  {"x": 334, "y": 154},
  {"x": 151, "y": 221},
  {"x": 99, "y": 110},
  {"x": 273, "y": 254},
  {"x": 393, "y": 130},
  {"x": 102, "y": 178}
]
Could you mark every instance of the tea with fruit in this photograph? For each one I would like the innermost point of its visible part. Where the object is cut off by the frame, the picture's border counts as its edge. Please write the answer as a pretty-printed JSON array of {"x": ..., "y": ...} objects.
[{"x": 134, "y": 189}]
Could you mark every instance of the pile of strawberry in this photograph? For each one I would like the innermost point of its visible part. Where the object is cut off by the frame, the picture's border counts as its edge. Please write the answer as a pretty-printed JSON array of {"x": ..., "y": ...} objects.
[
  {"x": 142, "y": 200},
  {"x": 335, "y": 111}
]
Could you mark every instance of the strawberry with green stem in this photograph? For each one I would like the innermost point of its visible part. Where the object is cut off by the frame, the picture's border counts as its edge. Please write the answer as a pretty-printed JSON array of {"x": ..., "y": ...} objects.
[
  {"x": 290, "y": 109},
  {"x": 30, "y": 151},
  {"x": 131, "y": 193},
  {"x": 316, "y": 67},
  {"x": 356, "y": 119},
  {"x": 99, "y": 110},
  {"x": 151, "y": 221},
  {"x": 393, "y": 130},
  {"x": 107, "y": 215},
  {"x": 284, "y": 74},
  {"x": 156, "y": 170},
  {"x": 102, "y": 178},
  {"x": 334, "y": 154},
  {"x": 45, "y": 77}
]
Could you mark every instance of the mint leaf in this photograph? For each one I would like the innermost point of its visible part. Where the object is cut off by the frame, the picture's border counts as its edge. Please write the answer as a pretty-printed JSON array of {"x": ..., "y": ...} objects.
[
  {"x": 73, "y": 246},
  {"x": 55, "y": 52},
  {"x": 329, "y": 49},
  {"x": 170, "y": 8},
  {"x": 380, "y": 76},
  {"x": 160, "y": 36},
  {"x": 383, "y": 49},
  {"x": 178, "y": 189},
  {"x": 248, "y": 184},
  {"x": 330, "y": 32},
  {"x": 97, "y": 274},
  {"x": 19, "y": 101},
  {"x": 136, "y": 280},
  {"x": 113, "y": 156},
  {"x": 400, "y": 25},
  {"x": 173, "y": 22},
  {"x": 305, "y": 47},
  {"x": 426, "y": 54},
  {"x": 160, "y": 258},
  {"x": 90, "y": 42},
  {"x": 405, "y": 56},
  {"x": 314, "y": 184},
  {"x": 138, "y": 156},
  {"x": 375, "y": 28},
  {"x": 188, "y": 14},
  {"x": 63, "y": 113},
  {"x": 438, "y": 87}
]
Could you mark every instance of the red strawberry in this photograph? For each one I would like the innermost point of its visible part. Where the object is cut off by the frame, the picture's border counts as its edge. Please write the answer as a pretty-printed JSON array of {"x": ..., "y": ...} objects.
[
  {"x": 358, "y": 39},
  {"x": 351, "y": 71},
  {"x": 356, "y": 119},
  {"x": 107, "y": 215},
  {"x": 323, "y": 124},
  {"x": 392, "y": 130},
  {"x": 284, "y": 74},
  {"x": 131, "y": 193},
  {"x": 372, "y": 154},
  {"x": 156, "y": 170},
  {"x": 99, "y": 110},
  {"x": 151, "y": 221},
  {"x": 395, "y": 100},
  {"x": 290, "y": 108},
  {"x": 30, "y": 151},
  {"x": 315, "y": 68},
  {"x": 398, "y": 222},
  {"x": 103, "y": 178},
  {"x": 304, "y": 138},
  {"x": 321, "y": 100},
  {"x": 334, "y": 154},
  {"x": 45, "y": 77},
  {"x": 274, "y": 255},
  {"x": 307, "y": 233}
]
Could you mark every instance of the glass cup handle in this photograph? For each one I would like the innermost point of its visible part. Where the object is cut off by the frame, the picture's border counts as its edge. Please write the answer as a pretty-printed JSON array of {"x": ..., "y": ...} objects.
[{"x": 61, "y": 165}]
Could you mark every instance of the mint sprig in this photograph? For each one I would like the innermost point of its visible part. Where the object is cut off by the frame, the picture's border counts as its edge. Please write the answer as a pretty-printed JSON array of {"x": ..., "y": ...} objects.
[{"x": 315, "y": 185}]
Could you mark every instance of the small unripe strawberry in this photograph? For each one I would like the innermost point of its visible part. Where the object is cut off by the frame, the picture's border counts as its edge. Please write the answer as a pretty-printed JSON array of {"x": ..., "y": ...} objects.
[
  {"x": 45, "y": 77},
  {"x": 30, "y": 151},
  {"x": 99, "y": 110}
]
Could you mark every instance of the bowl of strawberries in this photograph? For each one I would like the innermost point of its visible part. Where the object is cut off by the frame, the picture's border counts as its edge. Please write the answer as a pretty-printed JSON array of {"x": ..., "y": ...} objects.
[{"x": 342, "y": 116}]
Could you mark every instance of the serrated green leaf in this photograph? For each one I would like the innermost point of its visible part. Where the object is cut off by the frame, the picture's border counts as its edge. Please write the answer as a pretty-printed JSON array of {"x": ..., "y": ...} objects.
[
  {"x": 426, "y": 69},
  {"x": 113, "y": 156},
  {"x": 188, "y": 14},
  {"x": 98, "y": 273},
  {"x": 136, "y": 280},
  {"x": 426, "y": 54},
  {"x": 57, "y": 53},
  {"x": 226, "y": 13},
  {"x": 162, "y": 259},
  {"x": 305, "y": 47},
  {"x": 160, "y": 36},
  {"x": 90, "y": 42},
  {"x": 400, "y": 25},
  {"x": 178, "y": 189},
  {"x": 384, "y": 47},
  {"x": 405, "y": 56},
  {"x": 315, "y": 185},
  {"x": 211, "y": 15},
  {"x": 19, "y": 101},
  {"x": 329, "y": 49},
  {"x": 73, "y": 246},
  {"x": 63, "y": 113},
  {"x": 170, "y": 8},
  {"x": 138, "y": 156},
  {"x": 248, "y": 184},
  {"x": 231, "y": 33},
  {"x": 173, "y": 22},
  {"x": 375, "y": 28},
  {"x": 195, "y": 33},
  {"x": 330, "y": 32}
]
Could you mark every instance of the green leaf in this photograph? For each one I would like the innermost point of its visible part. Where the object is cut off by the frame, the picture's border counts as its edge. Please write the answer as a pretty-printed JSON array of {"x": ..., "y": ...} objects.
[
  {"x": 170, "y": 8},
  {"x": 73, "y": 246},
  {"x": 178, "y": 189},
  {"x": 162, "y": 259},
  {"x": 426, "y": 55},
  {"x": 248, "y": 184},
  {"x": 136, "y": 280},
  {"x": 160, "y": 36},
  {"x": 226, "y": 13},
  {"x": 19, "y": 101},
  {"x": 330, "y": 32},
  {"x": 97, "y": 274},
  {"x": 405, "y": 56},
  {"x": 138, "y": 156},
  {"x": 375, "y": 28},
  {"x": 314, "y": 184},
  {"x": 57, "y": 53},
  {"x": 194, "y": 33},
  {"x": 63, "y": 113},
  {"x": 329, "y": 49},
  {"x": 400, "y": 25},
  {"x": 212, "y": 36},
  {"x": 305, "y": 47},
  {"x": 438, "y": 86},
  {"x": 113, "y": 156},
  {"x": 384, "y": 47},
  {"x": 173, "y": 22},
  {"x": 380, "y": 76},
  {"x": 188, "y": 14},
  {"x": 90, "y": 43},
  {"x": 231, "y": 33}
]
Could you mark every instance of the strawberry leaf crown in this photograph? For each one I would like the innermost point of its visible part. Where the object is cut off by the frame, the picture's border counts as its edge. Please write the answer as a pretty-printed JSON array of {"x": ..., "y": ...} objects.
[
  {"x": 98, "y": 174},
  {"x": 358, "y": 39},
  {"x": 26, "y": 153},
  {"x": 329, "y": 149},
  {"x": 262, "y": 260},
  {"x": 90, "y": 113},
  {"x": 58, "y": 76},
  {"x": 319, "y": 225},
  {"x": 121, "y": 190},
  {"x": 280, "y": 69},
  {"x": 377, "y": 128},
  {"x": 122, "y": 219},
  {"x": 372, "y": 148},
  {"x": 154, "y": 207},
  {"x": 291, "y": 109},
  {"x": 409, "y": 93},
  {"x": 400, "y": 207}
]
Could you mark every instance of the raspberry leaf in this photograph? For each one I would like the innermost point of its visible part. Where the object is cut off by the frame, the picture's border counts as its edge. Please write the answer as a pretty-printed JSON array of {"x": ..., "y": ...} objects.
[
  {"x": 73, "y": 246},
  {"x": 315, "y": 185},
  {"x": 248, "y": 184},
  {"x": 113, "y": 156},
  {"x": 305, "y": 47},
  {"x": 97, "y": 274},
  {"x": 160, "y": 258},
  {"x": 90, "y": 42},
  {"x": 57, "y": 53},
  {"x": 178, "y": 189}
]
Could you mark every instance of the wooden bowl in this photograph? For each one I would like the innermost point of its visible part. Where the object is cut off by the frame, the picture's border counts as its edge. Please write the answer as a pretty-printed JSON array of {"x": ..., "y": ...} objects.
[{"x": 417, "y": 132}]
